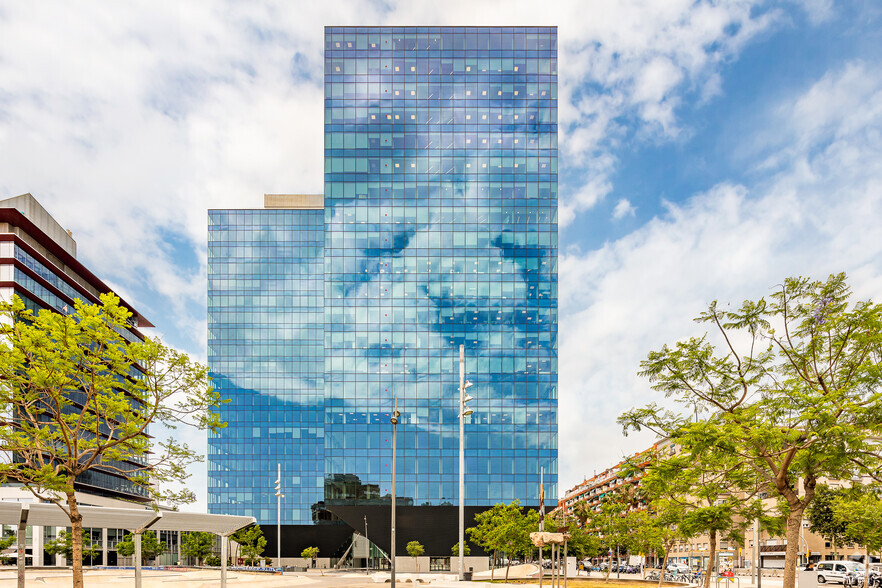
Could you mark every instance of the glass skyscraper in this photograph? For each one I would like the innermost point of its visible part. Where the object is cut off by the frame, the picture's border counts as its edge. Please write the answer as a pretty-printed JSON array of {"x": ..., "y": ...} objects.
[{"x": 437, "y": 227}]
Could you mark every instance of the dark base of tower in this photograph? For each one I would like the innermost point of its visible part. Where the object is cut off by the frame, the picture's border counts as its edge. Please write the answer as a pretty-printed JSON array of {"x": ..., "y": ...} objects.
[{"x": 436, "y": 527}]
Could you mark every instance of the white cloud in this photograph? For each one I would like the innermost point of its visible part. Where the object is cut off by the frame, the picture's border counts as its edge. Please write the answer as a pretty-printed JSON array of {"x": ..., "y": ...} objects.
[
  {"x": 818, "y": 214},
  {"x": 129, "y": 120},
  {"x": 623, "y": 208}
]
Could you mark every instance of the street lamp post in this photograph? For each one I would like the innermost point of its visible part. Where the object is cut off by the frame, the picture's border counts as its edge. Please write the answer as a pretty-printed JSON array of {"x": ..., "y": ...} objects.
[
  {"x": 394, "y": 421},
  {"x": 279, "y": 497},
  {"x": 367, "y": 560},
  {"x": 464, "y": 411}
]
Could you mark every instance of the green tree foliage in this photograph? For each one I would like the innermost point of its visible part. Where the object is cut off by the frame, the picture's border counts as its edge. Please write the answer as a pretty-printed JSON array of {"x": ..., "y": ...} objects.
[
  {"x": 63, "y": 544},
  {"x": 83, "y": 397},
  {"x": 505, "y": 527},
  {"x": 415, "y": 549},
  {"x": 213, "y": 560},
  {"x": 791, "y": 389},
  {"x": 581, "y": 543},
  {"x": 582, "y": 512},
  {"x": 310, "y": 553},
  {"x": 455, "y": 549},
  {"x": 151, "y": 546},
  {"x": 198, "y": 544},
  {"x": 611, "y": 526},
  {"x": 6, "y": 543},
  {"x": 700, "y": 481},
  {"x": 849, "y": 515},
  {"x": 822, "y": 518},
  {"x": 251, "y": 543}
]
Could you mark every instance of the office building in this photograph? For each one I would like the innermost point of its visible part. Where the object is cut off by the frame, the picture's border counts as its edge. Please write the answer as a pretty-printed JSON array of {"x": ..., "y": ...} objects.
[
  {"x": 437, "y": 228},
  {"x": 38, "y": 263}
]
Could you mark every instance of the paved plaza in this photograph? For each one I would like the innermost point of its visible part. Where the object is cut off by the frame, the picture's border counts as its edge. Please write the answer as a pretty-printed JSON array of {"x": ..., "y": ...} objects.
[
  {"x": 58, "y": 578},
  {"x": 52, "y": 578}
]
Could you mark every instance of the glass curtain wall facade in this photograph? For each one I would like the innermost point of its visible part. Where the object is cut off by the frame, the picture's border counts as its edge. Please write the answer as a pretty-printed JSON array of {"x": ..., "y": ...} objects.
[
  {"x": 439, "y": 229},
  {"x": 265, "y": 350}
]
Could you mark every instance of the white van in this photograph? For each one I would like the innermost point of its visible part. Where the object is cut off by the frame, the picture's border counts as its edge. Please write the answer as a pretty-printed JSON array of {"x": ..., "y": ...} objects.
[{"x": 836, "y": 571}]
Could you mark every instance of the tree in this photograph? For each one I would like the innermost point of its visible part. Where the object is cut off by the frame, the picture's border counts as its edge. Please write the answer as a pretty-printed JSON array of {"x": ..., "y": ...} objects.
[
  {"x": 455, "y": 549},
  {"x": 610, "y": 525},
  {"x": 700, "y": 480},
  {"x": 506, "y": 528},
  {"x": 81, "y": 398},
  {"x": 6, "y": 543},
  {"x": 63, "y": 544},
  {"x": 792, "y": 390},
  {"x": 484, "y": 533},
  {"x": 198, "y": 544},
  {"x": 822, "y": 518},
  {"x": 415, "y": 549},
  {"x": 645, "y": 533},
  {"x": 310, "y": 553},
  {"x": 582, "y": 512},
  {"x": 581, "y": 543},
  {"x": 251, "y": 543},
  {"x": 667, "y": 519},
  {"x": 860, "y": 513},
  {"x": 151, "y": 546}
]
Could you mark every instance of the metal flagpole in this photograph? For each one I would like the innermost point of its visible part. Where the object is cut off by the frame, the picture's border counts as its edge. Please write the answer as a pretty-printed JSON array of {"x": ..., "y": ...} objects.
[
  {"x": 279, "y": 497},
  {"x": 461, "y": 460},
  {"x": 394, "y": 421}
]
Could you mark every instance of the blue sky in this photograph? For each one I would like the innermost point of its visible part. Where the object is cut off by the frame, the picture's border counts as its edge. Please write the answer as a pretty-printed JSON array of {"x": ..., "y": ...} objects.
[{"x": 708, "y": 150}]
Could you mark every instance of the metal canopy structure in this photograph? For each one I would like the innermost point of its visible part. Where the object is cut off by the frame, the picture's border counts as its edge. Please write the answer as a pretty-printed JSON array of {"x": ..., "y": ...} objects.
[{"x": 22, "y": 514}]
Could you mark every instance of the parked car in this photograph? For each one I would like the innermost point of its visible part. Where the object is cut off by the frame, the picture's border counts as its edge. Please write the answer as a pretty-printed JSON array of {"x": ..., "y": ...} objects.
[
  {"x": 678, "y": 567},
  {"x": 837, "y": 570}
]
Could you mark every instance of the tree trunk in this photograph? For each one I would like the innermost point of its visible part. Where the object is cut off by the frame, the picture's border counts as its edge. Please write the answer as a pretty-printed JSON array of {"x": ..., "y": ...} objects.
[
  {"x": 76, "y": 529},
  {"x": 712, "y": 537},
  {"x": 507, "y": 566},
  {"x": 794, "y": 523},
  {"x": 492, "y": 566},
  {"x": 661, "y": 574},
  {"x": 867, "y": 568}
]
